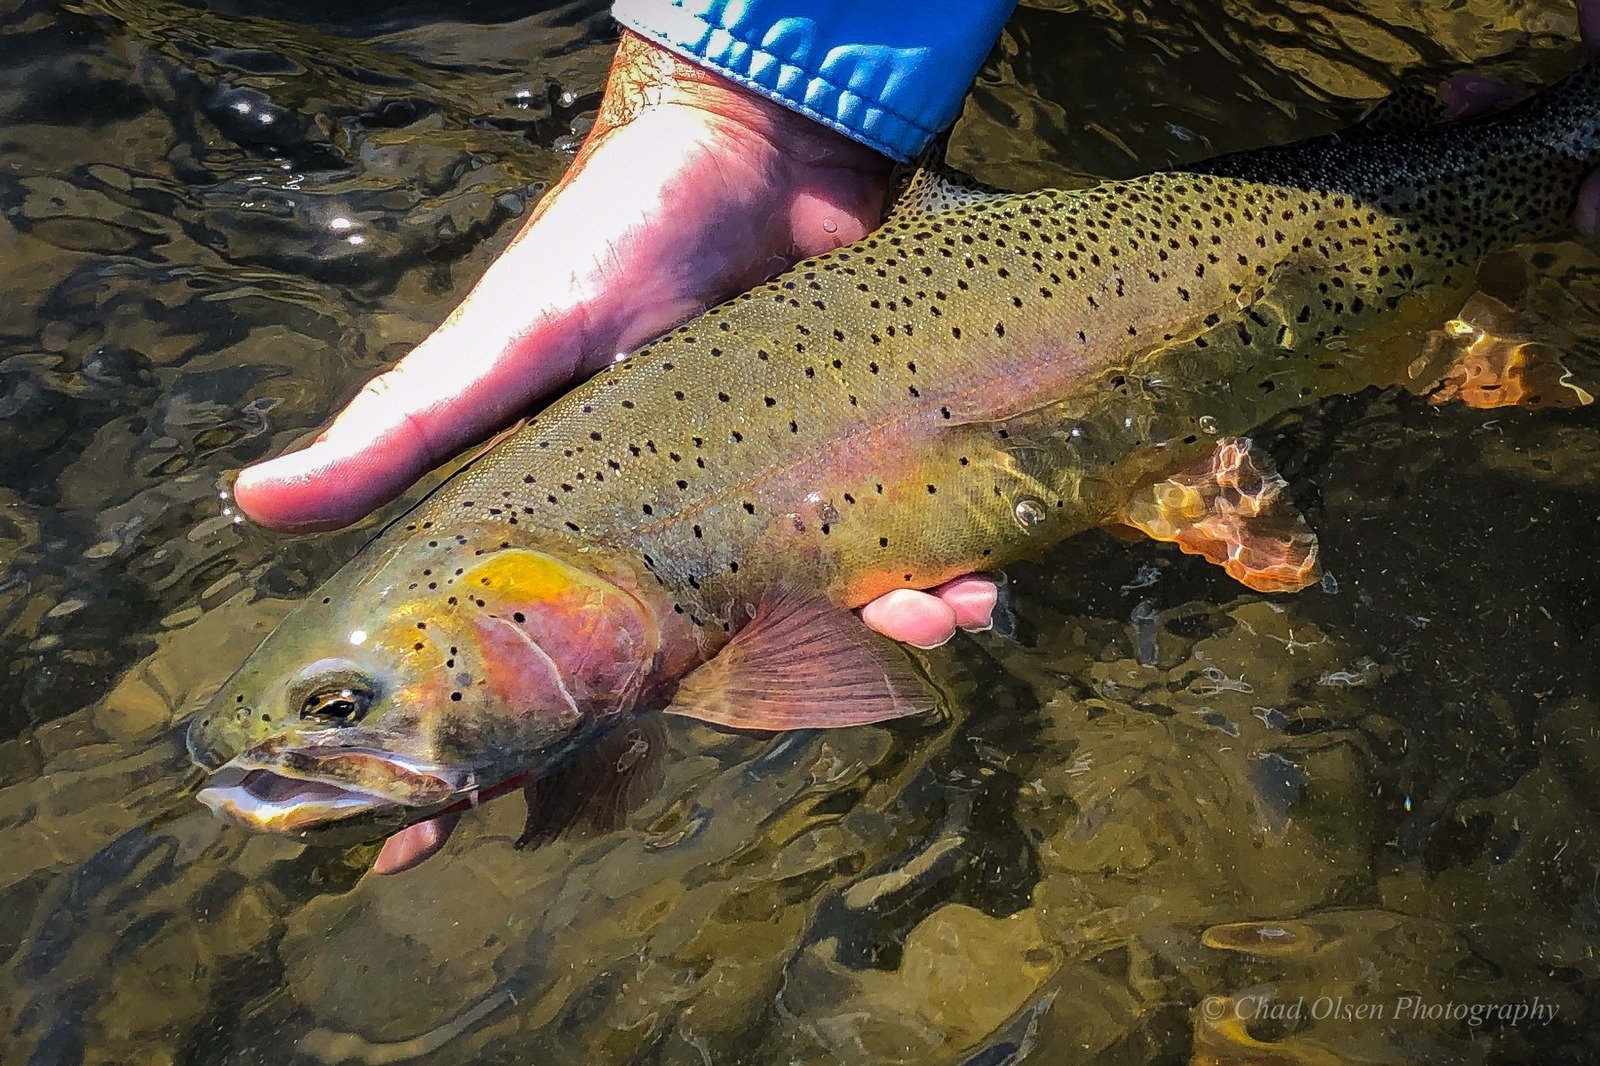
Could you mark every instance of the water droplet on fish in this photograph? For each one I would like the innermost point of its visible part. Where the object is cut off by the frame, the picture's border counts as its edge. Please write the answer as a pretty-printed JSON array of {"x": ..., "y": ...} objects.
[
  {"x": 1029, "y": 513},
  {"x": 1208, "y": 424},
  {"x": 830, "y": 226},
  {"x": 359, "y": 637}
]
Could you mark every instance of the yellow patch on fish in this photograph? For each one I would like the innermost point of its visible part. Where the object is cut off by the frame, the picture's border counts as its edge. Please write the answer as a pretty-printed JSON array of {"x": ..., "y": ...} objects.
[{"x": 519, "y": 573}]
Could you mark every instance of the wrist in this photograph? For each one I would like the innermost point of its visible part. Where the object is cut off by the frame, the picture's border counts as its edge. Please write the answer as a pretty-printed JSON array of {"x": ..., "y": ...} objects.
[{"x": 646, "y": 75}]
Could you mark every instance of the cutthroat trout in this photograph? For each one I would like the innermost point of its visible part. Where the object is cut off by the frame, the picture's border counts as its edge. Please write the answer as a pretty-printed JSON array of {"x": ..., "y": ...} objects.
[{"x": 981, "y": 377}]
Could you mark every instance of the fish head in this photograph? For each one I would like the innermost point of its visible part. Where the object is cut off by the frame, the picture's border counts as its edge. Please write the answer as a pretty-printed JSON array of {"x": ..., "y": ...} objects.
[{"x": 432, "y": 667}]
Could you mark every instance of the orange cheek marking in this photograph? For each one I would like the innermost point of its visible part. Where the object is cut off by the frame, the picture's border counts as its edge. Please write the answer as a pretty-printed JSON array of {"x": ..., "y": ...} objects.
[
  {"x": 592, "y": 639},
  {"x": 565, "y": 612}
]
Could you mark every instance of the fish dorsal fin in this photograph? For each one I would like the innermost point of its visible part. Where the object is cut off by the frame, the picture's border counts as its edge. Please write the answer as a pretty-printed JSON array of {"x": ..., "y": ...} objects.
[
  {"x": 802, "y": 663},
  {"x": 934, "y": 186}
]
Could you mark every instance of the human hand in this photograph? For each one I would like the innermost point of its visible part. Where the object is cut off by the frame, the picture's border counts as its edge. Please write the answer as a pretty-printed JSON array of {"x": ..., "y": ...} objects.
[{"x": 689, "y": 190}]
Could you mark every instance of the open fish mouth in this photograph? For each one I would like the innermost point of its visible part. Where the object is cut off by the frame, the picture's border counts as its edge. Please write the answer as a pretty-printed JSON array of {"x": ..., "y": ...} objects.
[{"x": 316, "y": 791}]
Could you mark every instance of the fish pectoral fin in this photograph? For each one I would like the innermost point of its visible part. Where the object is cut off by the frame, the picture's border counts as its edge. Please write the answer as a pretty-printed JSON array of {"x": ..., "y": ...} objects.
[
  {"x": 598, "y": 787},
  {"x": 802, "y": 663},
  {"x": 1491, "y": 359},
  {"x": 1232, "y": 508}
]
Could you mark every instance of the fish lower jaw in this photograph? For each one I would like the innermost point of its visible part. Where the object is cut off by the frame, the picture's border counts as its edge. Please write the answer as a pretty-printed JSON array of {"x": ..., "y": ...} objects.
[{"x": 269, "y": 802}]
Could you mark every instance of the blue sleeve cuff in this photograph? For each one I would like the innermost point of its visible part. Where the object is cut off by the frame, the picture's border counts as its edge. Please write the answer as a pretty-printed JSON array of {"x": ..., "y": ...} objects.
[{"x": 888, "y": 75}]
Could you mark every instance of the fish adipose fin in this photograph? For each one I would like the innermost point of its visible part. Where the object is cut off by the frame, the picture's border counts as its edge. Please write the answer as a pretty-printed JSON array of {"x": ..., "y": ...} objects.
[
  {"x": 1494, "y": 362},
  {"x": 1232, "y": 509},
  {"x": 802, "y": 663}
]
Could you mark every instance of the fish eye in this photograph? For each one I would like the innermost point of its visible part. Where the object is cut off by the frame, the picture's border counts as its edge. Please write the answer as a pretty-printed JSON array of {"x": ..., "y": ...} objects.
[{"x": 344, "y": 705}]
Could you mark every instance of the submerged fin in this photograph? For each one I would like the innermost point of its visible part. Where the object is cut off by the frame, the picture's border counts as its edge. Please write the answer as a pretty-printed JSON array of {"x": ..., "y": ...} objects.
[
  {"x": 1496, "y": 363},
  {"x": 599, "y": 787},
  {"x": 934, "y": 186},
  {"x": 802, "y": 663},
  {"x": 1231, "y": 509}
]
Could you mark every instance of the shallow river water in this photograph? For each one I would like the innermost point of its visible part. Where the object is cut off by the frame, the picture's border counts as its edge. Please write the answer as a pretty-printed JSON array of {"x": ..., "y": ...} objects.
[{"x": 1174, "y": 821}]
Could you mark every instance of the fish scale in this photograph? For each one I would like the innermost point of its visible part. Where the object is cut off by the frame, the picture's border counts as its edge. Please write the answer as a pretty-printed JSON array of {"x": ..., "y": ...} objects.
[
  {"x": 979, "y": 378},
  {"x": 874, "y": 418}
]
